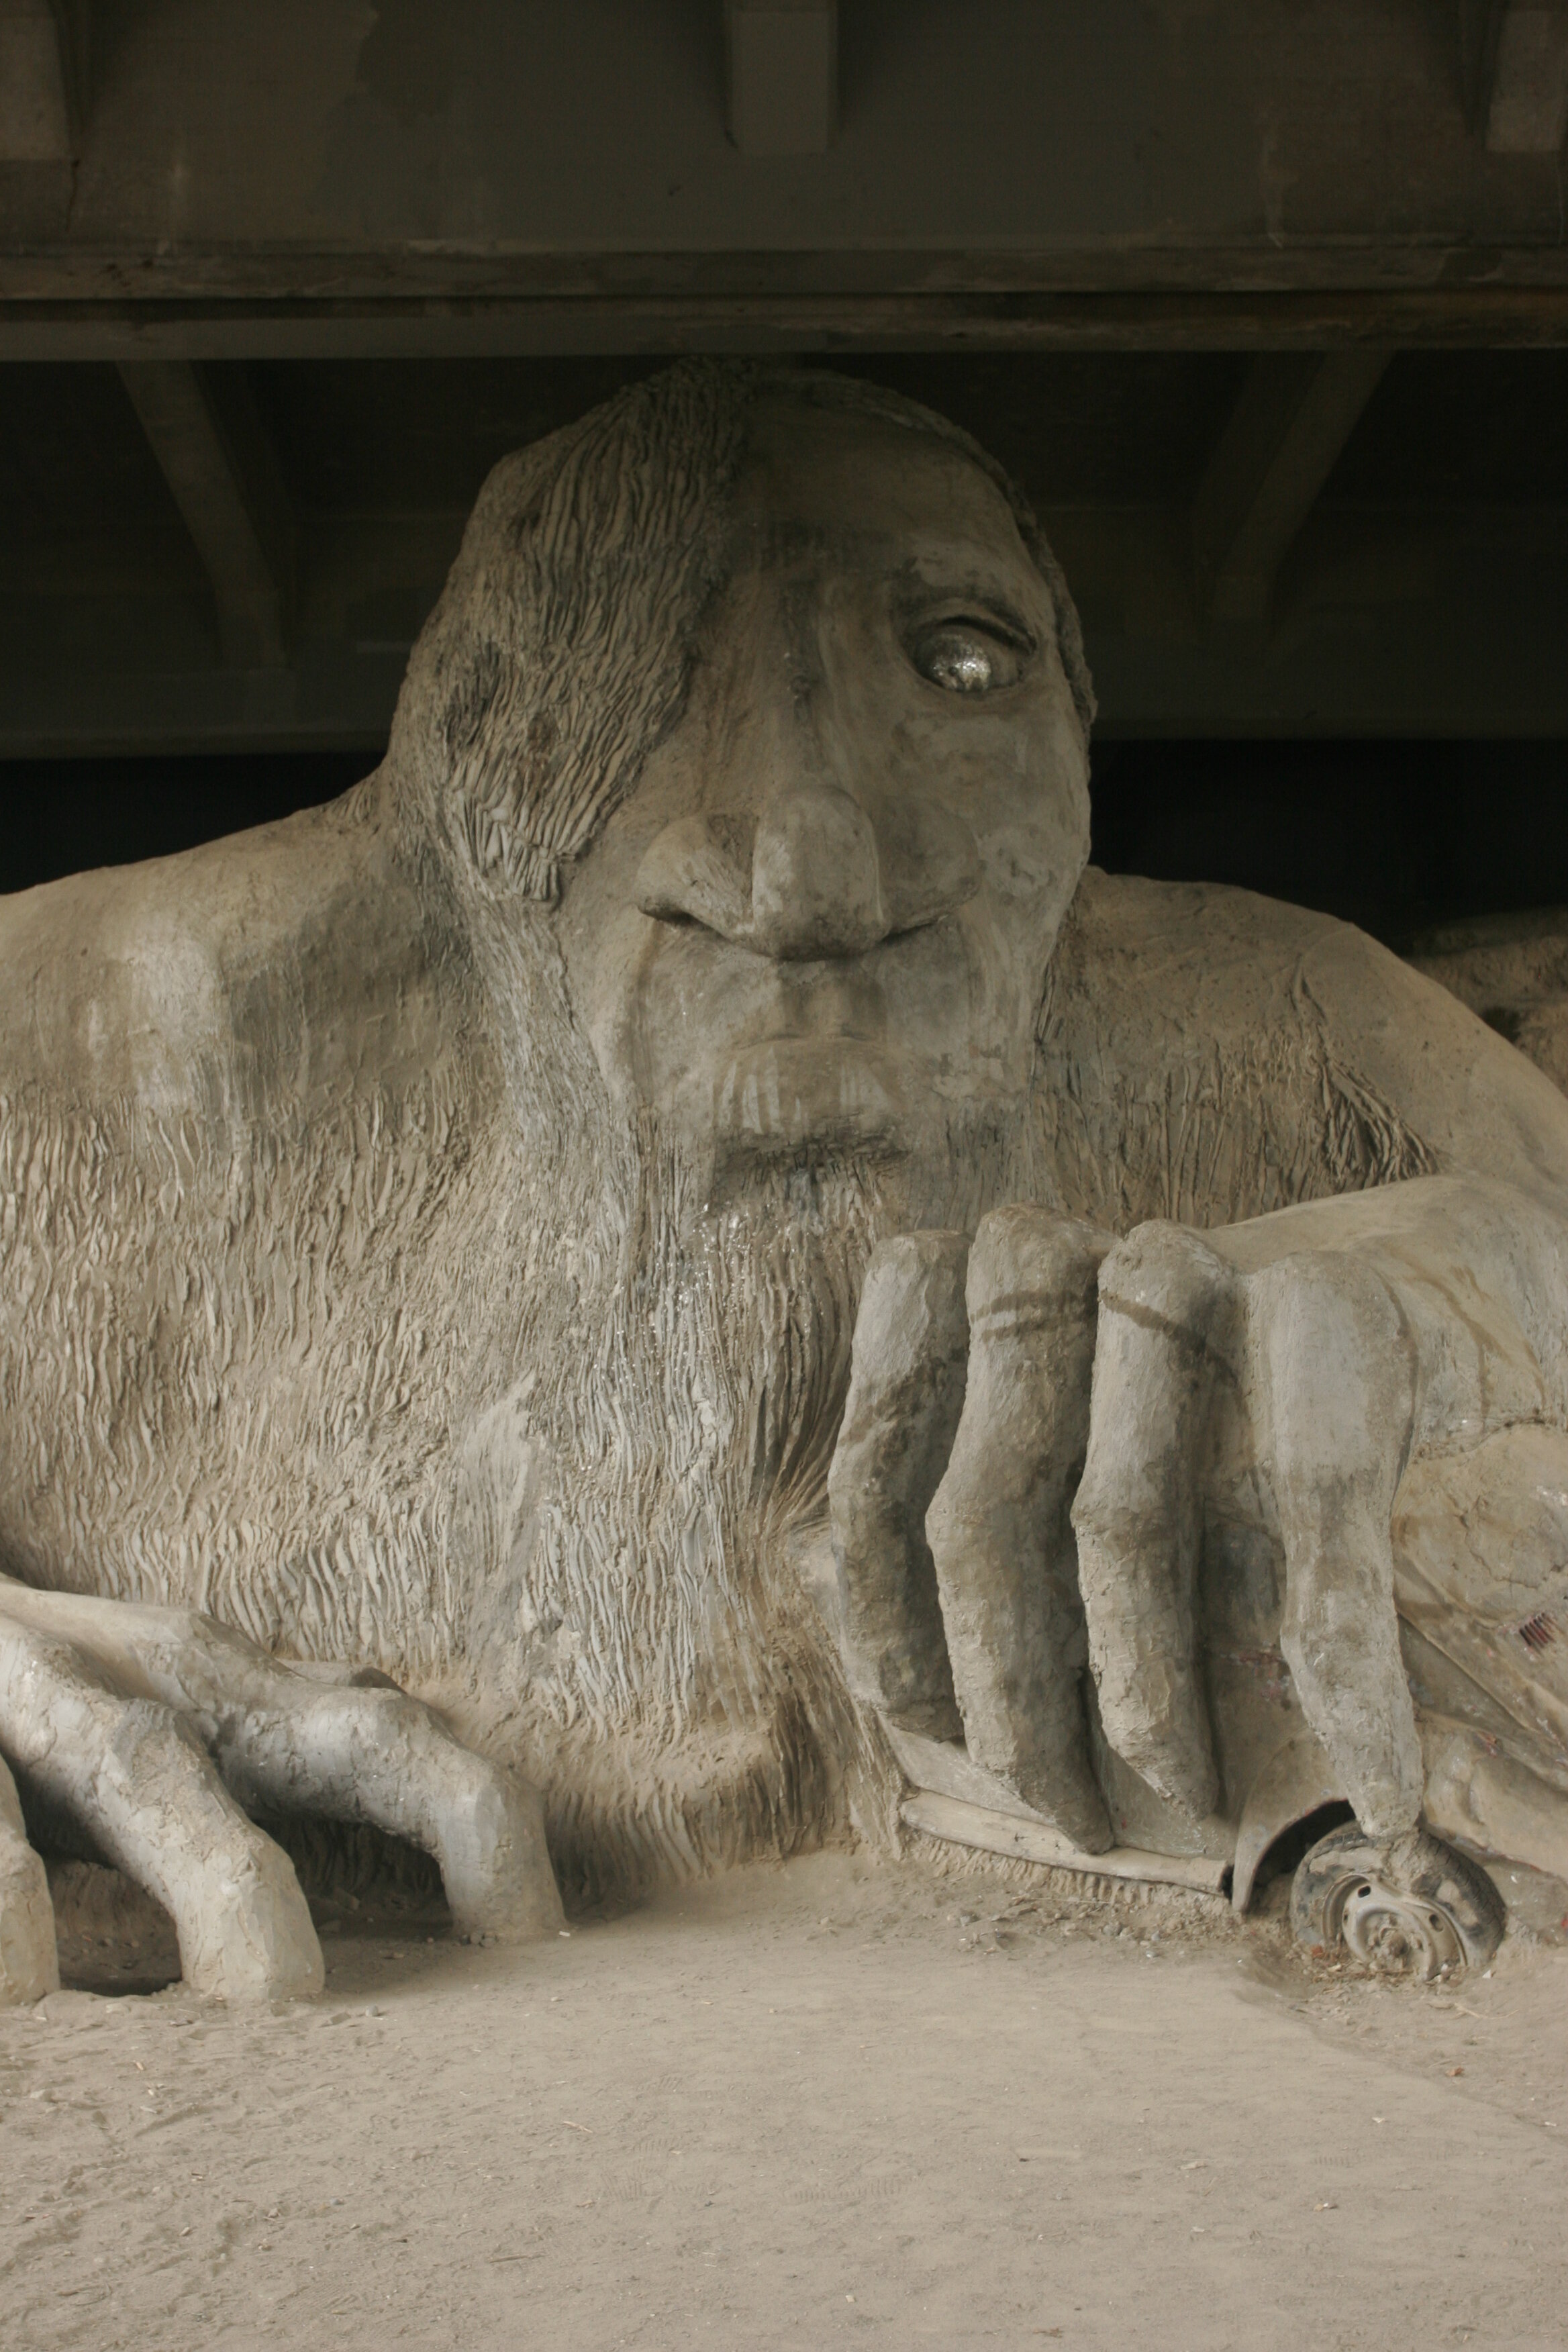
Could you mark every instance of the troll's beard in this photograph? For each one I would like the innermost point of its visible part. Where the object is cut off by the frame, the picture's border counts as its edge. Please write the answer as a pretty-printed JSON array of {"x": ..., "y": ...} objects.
[
  {"x": 646, "y": 1634},
  {"x": 679, "y": 1395},
  {"x": 637, "y": 1639},
  {"x": 637, "y": 1635}
]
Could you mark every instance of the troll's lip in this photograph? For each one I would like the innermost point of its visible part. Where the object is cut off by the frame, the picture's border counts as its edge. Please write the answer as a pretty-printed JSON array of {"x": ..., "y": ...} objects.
[{"x": 835, "y": 1092}]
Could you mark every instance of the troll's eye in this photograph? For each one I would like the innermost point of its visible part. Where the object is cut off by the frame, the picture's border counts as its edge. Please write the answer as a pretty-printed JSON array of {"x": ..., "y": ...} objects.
[{"x": 965, "y": 658}]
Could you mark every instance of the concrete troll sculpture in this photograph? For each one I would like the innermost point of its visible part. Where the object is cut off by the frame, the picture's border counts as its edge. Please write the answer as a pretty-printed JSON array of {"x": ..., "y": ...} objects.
[{"x": 433, "y": 1230}]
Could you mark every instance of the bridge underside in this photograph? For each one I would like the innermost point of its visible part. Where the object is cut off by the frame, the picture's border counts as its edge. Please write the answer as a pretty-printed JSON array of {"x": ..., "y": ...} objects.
[{"x": 1265, "y": 305}]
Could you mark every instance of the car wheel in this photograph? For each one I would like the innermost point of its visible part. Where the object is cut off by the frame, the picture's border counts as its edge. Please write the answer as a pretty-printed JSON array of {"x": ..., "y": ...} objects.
[{"x": 1412, "y": 1908}]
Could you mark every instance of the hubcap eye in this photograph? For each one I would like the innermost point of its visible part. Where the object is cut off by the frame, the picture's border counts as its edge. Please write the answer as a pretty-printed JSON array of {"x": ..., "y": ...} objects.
[
  {"x": 960, "y": 662},
  {"x": 966, "y": 657}
]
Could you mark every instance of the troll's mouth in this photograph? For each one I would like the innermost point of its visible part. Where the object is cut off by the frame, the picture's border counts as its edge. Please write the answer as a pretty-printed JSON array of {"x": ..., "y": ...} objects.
[{"x": 788, "y": 1092}]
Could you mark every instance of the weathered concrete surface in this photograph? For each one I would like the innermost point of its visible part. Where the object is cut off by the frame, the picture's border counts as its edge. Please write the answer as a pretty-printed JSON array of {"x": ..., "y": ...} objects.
[
  {"x": 1283, "y": 1375},
  {"x": 131, "y": 1773},
  {"x": 153, "y": 1727},
  {"x": 1513, "y": 971},
  {"x": 906, "y": 1393},
  {"x": 27, "y": 1962},
  {"x": 1139, "y": 1511},
  {"x": 1005, "y": 1555}
]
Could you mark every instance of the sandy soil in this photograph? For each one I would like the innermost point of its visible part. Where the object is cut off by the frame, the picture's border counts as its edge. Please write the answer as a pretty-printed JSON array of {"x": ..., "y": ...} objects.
[{"x": 834, "y": 2103}]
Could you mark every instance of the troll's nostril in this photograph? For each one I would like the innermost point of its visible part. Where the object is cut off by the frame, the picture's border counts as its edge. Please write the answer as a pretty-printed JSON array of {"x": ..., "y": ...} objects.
[{"x": 698, "y": 870}]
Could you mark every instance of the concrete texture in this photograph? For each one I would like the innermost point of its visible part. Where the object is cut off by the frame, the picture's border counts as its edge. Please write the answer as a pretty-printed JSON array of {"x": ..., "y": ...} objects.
[
  {"x": 906, "y": 1393},
  {"x": 998, "y": 1523},
  {"x": 28, "y": 1968},
  {"x": 1513, "y": 971}
]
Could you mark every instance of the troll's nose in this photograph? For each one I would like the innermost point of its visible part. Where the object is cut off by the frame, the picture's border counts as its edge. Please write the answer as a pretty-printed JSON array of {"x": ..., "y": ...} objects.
[
  {"x": 809, "y": 877},
  {"x": 815, "y": 885},
  {"x": 799, "y": 881}
]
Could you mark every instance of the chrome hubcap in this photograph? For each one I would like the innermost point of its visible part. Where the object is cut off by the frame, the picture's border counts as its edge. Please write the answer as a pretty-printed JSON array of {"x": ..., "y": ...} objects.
[{"x": 1396, "y": 1934}]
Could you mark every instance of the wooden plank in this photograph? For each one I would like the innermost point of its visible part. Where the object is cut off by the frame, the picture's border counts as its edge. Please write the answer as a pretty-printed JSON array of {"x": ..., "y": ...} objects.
[
  {"x": 1463, "y": 317},
  {"x": 1243, "y": 274},
  {"x": 1027, "y": 1841}
]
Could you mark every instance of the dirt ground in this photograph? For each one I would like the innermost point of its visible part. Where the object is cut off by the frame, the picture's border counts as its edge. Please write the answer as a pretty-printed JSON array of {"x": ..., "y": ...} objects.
[{"x": 840, "y": 2101}]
